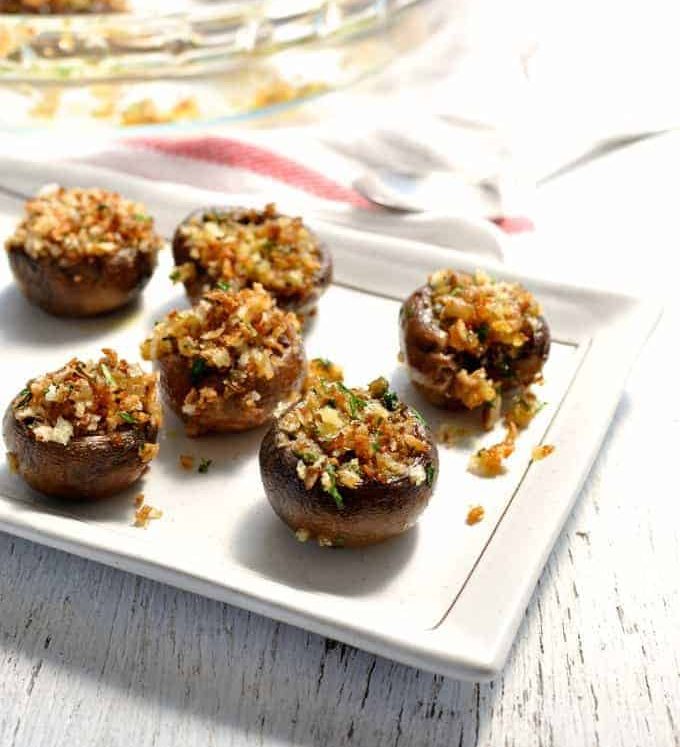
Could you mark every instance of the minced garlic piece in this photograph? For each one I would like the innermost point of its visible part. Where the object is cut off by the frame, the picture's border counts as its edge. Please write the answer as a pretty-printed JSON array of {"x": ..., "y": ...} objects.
[{"x": 70, "y": 224}]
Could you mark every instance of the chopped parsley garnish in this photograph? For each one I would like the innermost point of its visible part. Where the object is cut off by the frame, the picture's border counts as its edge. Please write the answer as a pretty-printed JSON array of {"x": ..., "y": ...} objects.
[
  {"x": 332, "y": 488},
  {"x": 308, "y": 457},
  {"x": 355, "y": 403},
  {"x": 418, "y": 416},
  {"x": 430, "y": 473},
  {"x": 375, "y": 446},
  {"x": 25, "y": 395},
  {"x": 204, "y": 466},
  {"x": 142, "y": 218},
  {"x": 174, "y": 276},
  {"x": 390, "y": 400},
  {"x": 223, "y": 285},
  {"x": 324, "y": 362},
  {"x": 483, "y": 332},
  {"x": 197, "y": 370},
  {"x": 108, "y": 375},
  {"x": 126, "y": 417}
]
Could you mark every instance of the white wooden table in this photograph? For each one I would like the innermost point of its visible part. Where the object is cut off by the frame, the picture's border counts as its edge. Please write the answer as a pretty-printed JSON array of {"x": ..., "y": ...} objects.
[{"x": 91, "y": 655}]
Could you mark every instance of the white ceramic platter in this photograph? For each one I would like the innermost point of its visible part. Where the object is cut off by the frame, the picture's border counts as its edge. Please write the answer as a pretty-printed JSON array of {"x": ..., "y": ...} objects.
[{"x": 447, "y": 596}]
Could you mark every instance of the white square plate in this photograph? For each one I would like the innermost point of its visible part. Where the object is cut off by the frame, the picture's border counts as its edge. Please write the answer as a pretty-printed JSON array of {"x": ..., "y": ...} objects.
[{"x": 446, "y": 596}]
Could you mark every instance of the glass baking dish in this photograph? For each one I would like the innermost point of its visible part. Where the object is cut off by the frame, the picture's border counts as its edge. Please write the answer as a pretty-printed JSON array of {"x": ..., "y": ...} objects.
[{"x": 151, "y": 62}]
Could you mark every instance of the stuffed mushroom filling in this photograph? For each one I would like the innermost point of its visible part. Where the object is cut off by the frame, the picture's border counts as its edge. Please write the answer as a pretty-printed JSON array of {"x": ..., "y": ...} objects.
[
  {"x": 231, "y": 344},
  {"x": 232, "y": 249},
  {"x": 108, "y": 397},
  {"x": 468, "y": 337},
  {"x": 70, "y": 226},
  {"x": 344, "y": 438}
]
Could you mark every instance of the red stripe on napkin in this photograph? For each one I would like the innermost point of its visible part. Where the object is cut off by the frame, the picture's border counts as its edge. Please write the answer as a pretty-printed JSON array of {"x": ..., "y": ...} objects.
[
  {"x": 259, "y": 160},
  {"x": 514, "y": 224}
]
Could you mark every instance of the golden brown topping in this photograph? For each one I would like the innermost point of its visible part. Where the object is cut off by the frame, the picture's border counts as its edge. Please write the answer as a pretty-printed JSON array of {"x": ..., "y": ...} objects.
[
  {"x": 541, "y": 452},
  {"x": 321, "y": 369},
  {"x": 488, "y": 462},
  {"x": 139, "y": 499},
  {"x": 63, "y": 6},
  {"x": 477, "y": 312},
  {"x": 244, "y": 336},
  {"x": 240, "y": 247},
  {"x": 474, "y": 515},
  {"x": 342, "y": 437},
  {"x": 186, "y": 461},
  {"x": 90, "y": 398},
  {"x": 144, "y": 514},
  {"x": 71, "y": 224}
]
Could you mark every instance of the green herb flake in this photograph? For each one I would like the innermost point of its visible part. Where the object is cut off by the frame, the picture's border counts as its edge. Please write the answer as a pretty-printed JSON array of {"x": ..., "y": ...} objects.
[
  {"x": 197, "y": 370},
  {"x": 332, "y": 488},
  {"x": 126, "y": 417},
  {"x": 324, "y": 362},
  {"x": 142, "y": 218},
  {"x": 390, "y": 400},
  {"x": 418, "y": 416},
  {"x": 355, "y": 403},
  {"x": 483, "y": 332},
  {"x": 223, "y": 285},
  {"x": 204, "y": 466},
  {"x": 25, "y": 395},
  {"x": 174, "y": 276},
  {"x": 375, "y": 446},
  {"x": 430, "y": 473},
  {"x": 108, "y": 375}
]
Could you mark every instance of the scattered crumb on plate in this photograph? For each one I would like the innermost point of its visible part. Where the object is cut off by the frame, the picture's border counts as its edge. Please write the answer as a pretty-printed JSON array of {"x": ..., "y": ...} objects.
[
  {"x": 449, "y": 434},
  {"x": 139, "y": 499},
  {"x": 186, "y": 461},
  {"x": 488, "y": 462},
  {"x": 145, "y": 513},
  {"x": 541, "y": 452},
  {"x": 474, "y": 515}
]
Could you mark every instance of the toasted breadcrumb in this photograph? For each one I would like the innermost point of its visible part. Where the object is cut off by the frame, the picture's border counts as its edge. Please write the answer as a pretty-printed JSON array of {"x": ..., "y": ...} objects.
[
  {"x": 186, "y": 461},
  {"x": 321, "y": 369},
  {"x": 139, "y": 499},
  {"x": 144, "y": 514},
  {"x": 541, "y": 452},
  {"x": 488, "y": 462},
  {"x": 474, "y": 515}
]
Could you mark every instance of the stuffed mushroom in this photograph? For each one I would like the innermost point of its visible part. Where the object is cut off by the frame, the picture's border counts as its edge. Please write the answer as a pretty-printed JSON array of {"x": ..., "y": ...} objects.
[
  {"x": 466, "y": 338},
  {"x": 228, "y": 362},
  {"x": 235, "y": 248},
  {"x": 82, "y": 252},
  {"x": 349, "y": 467},
  {"x": 86, "y": 431}
]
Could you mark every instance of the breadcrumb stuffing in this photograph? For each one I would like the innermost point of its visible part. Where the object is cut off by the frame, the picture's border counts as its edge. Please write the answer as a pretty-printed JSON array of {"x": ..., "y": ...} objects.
[
  {"x": 90, "y": 398},
  {"x": 240, "y": 247},
  {"x": 342, "y": 437},
  {"x": 71, "y": 224}
]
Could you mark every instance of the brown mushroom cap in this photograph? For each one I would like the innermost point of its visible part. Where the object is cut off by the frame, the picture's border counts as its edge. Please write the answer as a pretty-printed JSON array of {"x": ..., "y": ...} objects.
[
  {"x": 371, "y": 513},
  {"x": 237, "y": 412},
  {"x": 87, "y": 468},
  {"x": 432, "y": 364},
  {"x": 93, "y": 286},
  {"x": 299, "y": 300}
]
